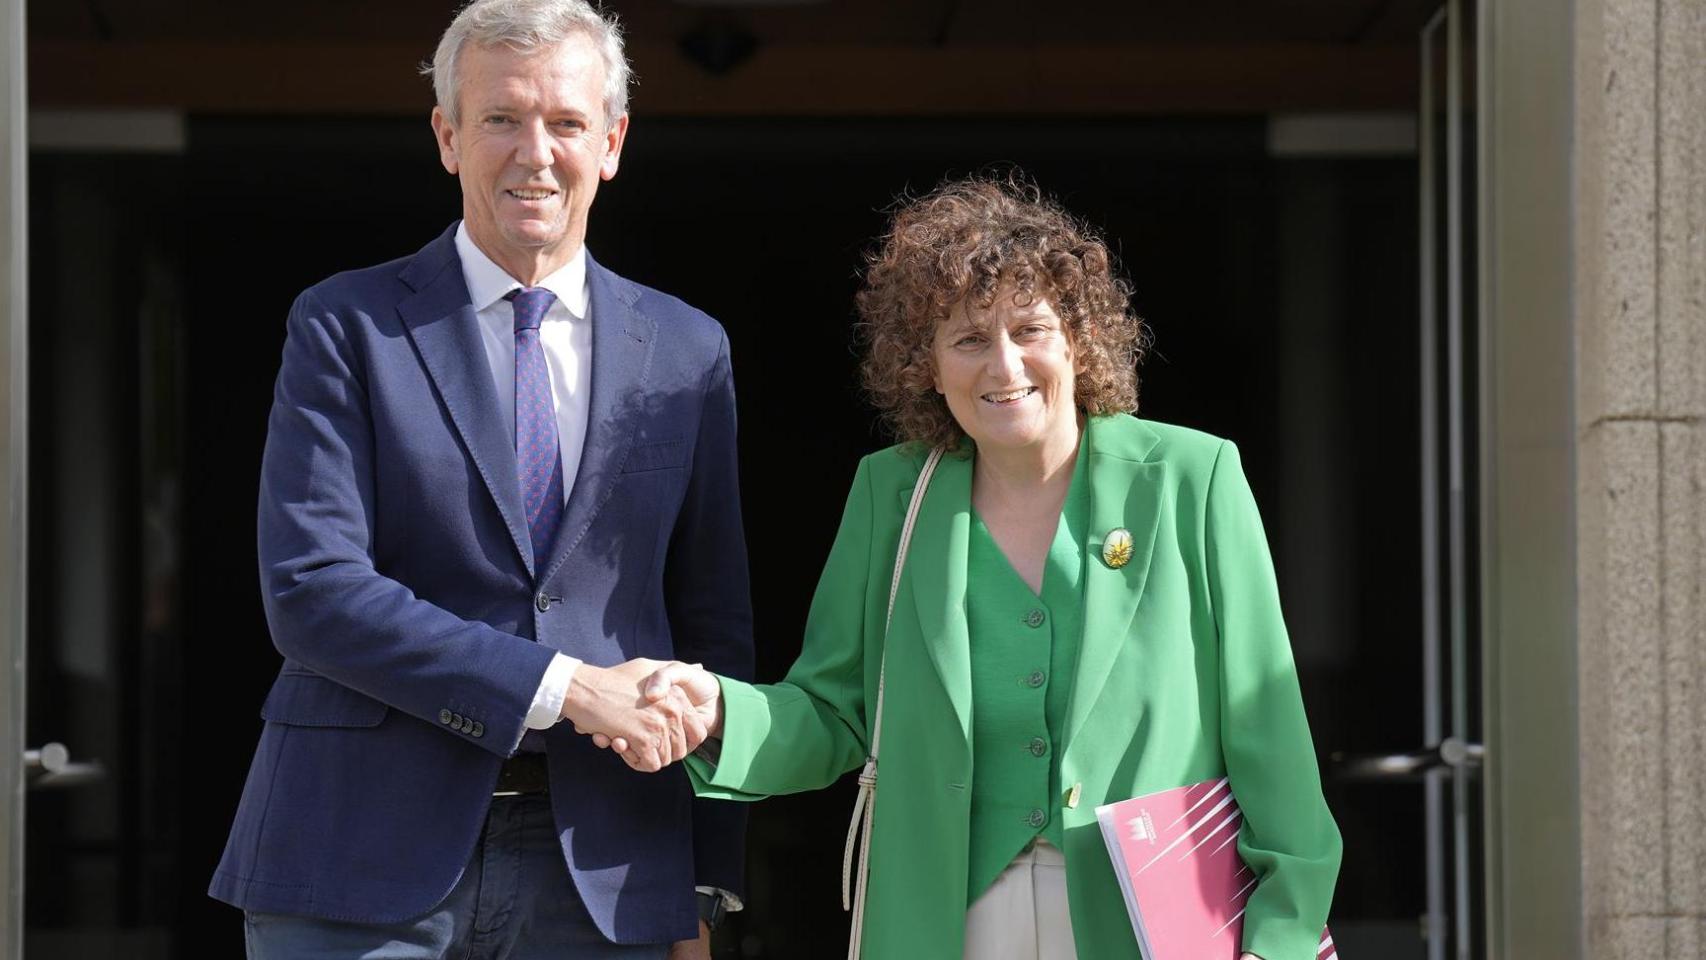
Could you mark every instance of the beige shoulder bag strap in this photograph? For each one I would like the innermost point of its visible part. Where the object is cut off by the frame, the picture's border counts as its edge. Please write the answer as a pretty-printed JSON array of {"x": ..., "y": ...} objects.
[{"x": 865, "y": 805}]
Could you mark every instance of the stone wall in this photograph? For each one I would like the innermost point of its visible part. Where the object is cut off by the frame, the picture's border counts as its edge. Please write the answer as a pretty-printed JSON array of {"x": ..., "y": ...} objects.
[{"x": 1640, "y": 246}]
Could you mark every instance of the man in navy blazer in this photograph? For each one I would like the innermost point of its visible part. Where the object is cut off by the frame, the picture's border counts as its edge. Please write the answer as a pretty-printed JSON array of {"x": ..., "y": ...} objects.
[{"x": 499, "y": 484}]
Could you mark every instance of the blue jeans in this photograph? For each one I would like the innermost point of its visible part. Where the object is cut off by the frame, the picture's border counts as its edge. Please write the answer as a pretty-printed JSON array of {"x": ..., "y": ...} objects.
[{"x": 515, "y": 901}]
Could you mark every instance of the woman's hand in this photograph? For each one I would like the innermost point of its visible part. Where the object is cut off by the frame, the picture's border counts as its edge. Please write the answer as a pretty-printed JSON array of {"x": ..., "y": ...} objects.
[
  {"x": 655, "y": 731},
  {"x": 676, "y": 679}
]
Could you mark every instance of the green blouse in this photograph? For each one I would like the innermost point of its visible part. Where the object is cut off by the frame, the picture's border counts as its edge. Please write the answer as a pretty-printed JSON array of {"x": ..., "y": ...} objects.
[{"x": 1024, "y": 650}]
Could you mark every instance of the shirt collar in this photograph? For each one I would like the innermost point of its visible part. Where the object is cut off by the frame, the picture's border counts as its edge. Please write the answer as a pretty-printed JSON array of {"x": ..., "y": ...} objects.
[{"x": 487, "y": 282}]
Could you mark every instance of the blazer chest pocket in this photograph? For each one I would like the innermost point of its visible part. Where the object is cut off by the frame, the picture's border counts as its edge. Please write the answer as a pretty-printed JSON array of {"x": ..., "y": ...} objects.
[
  {"x": 656, "y": 455},
  {"x": 310, "y": 700}
]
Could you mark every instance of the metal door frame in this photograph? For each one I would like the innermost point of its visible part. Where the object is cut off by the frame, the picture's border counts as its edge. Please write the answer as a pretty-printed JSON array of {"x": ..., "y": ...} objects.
[
  {"x": 1453, "y": 748},
  {"x": 1435, "y": 919},
  {"x": 14, "y": 352},
  {"x": 1530, "y": 695}
]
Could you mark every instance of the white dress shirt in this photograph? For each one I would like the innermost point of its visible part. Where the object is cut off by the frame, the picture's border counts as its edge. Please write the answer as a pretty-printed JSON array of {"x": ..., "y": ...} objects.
[{"x": 566, "y": 337}]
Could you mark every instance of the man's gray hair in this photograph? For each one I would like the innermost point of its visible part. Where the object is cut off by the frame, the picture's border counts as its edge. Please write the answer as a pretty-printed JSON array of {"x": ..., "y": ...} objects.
[{"x": 526, "y": 26}]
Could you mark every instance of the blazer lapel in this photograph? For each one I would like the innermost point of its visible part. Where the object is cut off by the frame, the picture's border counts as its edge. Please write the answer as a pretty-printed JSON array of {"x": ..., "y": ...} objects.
[
  {"x": 445, "y": 330},
  {"x": 936, "y": 571},
  {"x": 1125, "y": 492},
  {"x": 622, "y": 341}
]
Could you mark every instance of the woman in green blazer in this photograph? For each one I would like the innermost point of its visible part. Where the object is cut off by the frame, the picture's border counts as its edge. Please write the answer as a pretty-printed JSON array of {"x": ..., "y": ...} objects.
[{"x": 1035, "y": 667}]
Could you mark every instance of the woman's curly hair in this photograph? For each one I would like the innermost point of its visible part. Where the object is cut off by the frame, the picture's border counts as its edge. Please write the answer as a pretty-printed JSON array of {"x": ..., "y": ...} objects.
[{"x": 972, "y": 238}]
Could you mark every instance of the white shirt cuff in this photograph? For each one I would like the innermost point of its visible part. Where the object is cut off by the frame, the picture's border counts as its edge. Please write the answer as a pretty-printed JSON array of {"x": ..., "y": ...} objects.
[{"x": 547, "y": 706}]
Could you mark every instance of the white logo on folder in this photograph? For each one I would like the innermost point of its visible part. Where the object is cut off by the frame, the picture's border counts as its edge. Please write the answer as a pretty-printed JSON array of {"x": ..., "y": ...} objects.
[{"x": 1142, "y": 828}]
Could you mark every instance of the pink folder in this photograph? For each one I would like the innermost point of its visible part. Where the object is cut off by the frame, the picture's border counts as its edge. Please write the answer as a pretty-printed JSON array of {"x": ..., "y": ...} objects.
[{"x": 1176, "y": 854}]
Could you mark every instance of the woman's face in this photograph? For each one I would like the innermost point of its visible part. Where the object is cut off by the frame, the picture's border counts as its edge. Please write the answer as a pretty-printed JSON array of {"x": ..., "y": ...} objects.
[{"x": 1007, "y": 372}]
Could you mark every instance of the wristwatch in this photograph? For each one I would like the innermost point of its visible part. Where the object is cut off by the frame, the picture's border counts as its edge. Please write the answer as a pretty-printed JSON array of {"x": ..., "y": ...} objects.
[{"x": 712, "y": 910}]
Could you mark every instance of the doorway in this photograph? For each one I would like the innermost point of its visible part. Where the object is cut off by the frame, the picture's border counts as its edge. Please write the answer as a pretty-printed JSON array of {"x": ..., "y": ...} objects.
[
  {"x": 1280, "y": 290},
  {"x": 1282, "y": 287}
]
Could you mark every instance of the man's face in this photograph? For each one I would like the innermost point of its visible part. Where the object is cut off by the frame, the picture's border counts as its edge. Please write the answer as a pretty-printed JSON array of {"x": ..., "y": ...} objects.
[{"x": 530, "y": 146}]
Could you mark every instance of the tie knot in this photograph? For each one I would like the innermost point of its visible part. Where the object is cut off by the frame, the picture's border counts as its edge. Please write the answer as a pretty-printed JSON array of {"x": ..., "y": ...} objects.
[{"x": 531, "y": 305}]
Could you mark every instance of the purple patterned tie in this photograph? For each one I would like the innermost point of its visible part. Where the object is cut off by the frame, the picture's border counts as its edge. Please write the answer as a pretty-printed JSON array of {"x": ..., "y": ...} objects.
[{"x": 539, "y": 464}]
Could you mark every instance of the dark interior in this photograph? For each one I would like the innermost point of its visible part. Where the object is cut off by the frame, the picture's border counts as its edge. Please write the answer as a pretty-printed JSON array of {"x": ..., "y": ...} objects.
[{"x": 1281, "y": 291}]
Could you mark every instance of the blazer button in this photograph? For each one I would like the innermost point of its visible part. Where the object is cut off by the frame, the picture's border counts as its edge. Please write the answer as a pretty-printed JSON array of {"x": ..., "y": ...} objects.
[
  {"x": 456, "y": 721},
  {"x": 542, "y": 603},
  {"x": 467, "y": 725},
  {"x": 444, "y": 717},
  {"x": 1035, "y": 679},
  {"x": 1037, "y": 817},
  {"x": 1034, "y": 619},
  {"x": 479, "y": 729},
  {"x": 1039, "y": 746}
]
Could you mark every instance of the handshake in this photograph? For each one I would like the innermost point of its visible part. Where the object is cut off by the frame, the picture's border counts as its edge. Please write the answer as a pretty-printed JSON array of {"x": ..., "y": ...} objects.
[{"x": 651, "y": 712}]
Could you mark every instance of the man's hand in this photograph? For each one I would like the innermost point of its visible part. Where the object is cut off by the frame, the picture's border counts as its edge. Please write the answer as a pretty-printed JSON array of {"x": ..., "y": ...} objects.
[
  {"x": 699, "y": 949},
  {"x": 655, "y": 731},
  {"x": 690, "y": 681}
]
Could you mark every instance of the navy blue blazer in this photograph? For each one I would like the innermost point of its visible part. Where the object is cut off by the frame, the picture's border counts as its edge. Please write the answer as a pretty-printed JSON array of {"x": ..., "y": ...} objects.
[{"x": 398, "y": 583}]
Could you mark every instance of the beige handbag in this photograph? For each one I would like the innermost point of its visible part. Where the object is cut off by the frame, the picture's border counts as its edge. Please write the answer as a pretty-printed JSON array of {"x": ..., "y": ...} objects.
[{"x": 865, "y": 805}]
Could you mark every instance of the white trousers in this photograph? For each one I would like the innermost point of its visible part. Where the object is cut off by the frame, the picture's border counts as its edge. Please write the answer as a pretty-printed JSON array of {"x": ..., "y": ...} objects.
[{"x": 1023, "y": 915}]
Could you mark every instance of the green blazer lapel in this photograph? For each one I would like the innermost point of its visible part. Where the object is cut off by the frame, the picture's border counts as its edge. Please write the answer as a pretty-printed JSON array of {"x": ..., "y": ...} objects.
[
  {"x": 1125, "y": 492},
  {"x": 936, "y": 574}
]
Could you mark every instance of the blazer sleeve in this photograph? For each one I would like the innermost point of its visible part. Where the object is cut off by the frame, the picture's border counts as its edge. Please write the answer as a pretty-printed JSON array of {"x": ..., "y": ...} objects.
[
  {"x": 1288, "y": 837},
  {"x": 806, "y": 731},
  {"x": 327, "y": 606},
  {"x": 709, "y": 600}
]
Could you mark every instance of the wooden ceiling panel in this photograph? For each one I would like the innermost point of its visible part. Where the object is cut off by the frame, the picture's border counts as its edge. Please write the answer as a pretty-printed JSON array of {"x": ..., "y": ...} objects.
[
  {"x": 106, "y": 20},
  {"x": 928, "y": 23},
  {"x": 834, "y": 21},
  {"x": 421, "y": 21},
  {"x": 1160, "y": 21},
  {"x": 416, "y": 22},
  {"x": 835, "y": 58}
]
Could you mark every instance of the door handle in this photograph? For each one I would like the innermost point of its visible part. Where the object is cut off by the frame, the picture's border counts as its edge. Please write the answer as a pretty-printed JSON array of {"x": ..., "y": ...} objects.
[
  {"x": 1452, "y": 754},
  {"x": 50, "y": 768}
]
